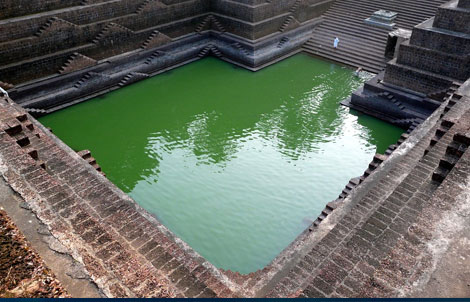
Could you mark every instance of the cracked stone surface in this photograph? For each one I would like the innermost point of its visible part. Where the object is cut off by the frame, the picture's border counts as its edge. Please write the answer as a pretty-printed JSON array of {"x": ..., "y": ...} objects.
[
  {"x": 22, "y": 271},
  {"x": 77, "y": 271},
  {"x": 55, "y": 245}
]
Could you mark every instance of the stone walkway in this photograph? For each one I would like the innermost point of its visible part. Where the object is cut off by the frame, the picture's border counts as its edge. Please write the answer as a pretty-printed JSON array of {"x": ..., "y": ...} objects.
[
  {"x": 450, "y": 273},
  {"x": 23, "y": 274},
  {"x": 68, "y": 271}
]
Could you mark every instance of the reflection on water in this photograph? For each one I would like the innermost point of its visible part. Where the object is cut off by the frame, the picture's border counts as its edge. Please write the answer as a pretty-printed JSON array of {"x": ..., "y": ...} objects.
[{"x": 235, "y": 163}]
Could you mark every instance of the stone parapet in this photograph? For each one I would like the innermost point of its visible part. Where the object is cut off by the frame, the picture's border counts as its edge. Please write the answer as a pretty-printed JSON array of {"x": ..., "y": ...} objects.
[
  {"x": 415, "y": 79},
  {"x": 426, "y": 36},
  {"x": 438, "y": 62},
  {"x": 452, "y": 17}
]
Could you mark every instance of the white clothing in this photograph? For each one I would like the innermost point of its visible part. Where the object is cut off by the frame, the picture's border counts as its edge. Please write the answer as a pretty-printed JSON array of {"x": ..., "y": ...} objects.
[
  {"x": 335, "y": 43},
  {"x": 4, "y": 92}
]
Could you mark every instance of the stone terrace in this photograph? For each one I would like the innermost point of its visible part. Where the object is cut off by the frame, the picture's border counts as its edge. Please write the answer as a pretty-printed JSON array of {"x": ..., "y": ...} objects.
[
  {"x": 60, "y": 52},
  {"x": 363, "y": 45}
]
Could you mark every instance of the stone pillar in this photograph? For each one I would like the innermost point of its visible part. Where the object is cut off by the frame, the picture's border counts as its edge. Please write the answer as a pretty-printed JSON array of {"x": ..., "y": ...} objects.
[{"x": 395, "y": 39}]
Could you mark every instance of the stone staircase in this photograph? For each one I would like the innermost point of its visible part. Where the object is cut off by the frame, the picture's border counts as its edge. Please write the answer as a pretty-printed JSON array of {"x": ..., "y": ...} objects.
[
  {"x": 125, "y": 251},
  {"x": 373, "y": 247},
  {"x": 210, "y": 22},
  {"x": 132, "y": 78},
  {"x": 76, "y": 62},
  {"x": 46, "y": 49},
  {"x": 240, "y": 47},
  {"x": 42, "y": 43},
  {"x": 363, "y": 45},
  {"x": 426, "y": 66},
  {"x": 282, "y": 42},
  {"x": 210, "y": 50},
  {"x": 286, "y": 23},
  {"x": 85, "y": 78},
  {"x": 86, "y": 155}
]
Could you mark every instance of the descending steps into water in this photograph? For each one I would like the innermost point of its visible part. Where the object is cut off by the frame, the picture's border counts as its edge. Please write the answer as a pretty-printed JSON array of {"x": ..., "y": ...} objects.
[
  {"x": 369, "y": 251},
  {"x": 363, "y": 45}
]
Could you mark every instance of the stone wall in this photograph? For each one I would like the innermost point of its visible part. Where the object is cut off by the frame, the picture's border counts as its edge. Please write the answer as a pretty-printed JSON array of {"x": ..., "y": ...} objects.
[
  {"x": 39, "y": 41},
  {"x": 255, "y": 21},
  {"x": 437, "y": 54},
  {"x": 453, "y": 19},
  {"x": 439, "y": 62},
  {"x": 436, "y": 57},
  {"x": 25, "y": 43}
]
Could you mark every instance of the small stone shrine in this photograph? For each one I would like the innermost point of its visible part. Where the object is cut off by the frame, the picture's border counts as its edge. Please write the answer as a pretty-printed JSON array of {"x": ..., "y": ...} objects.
[{"x": 382, "y": 18}]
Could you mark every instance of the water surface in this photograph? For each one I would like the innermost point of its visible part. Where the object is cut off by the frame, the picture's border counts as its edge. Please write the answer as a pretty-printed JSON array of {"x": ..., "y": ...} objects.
[{"x": 235, "y": 163}]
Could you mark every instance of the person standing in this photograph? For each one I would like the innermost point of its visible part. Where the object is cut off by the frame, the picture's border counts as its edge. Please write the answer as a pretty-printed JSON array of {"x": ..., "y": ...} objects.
[
  {"x": 358, "y": 72},
  {"x": 336, "y": 43},
  {"x": 3, "y": 92}
]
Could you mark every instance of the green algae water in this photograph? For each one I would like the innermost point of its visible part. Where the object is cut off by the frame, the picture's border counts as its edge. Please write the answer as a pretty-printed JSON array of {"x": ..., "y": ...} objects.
[{"x": 235, "y": 163}]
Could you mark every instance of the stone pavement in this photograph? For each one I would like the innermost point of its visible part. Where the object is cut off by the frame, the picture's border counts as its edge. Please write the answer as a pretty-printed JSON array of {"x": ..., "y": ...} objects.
[
  {"x": 22, "y": 271},
  {"x": 71, "y": 275}
]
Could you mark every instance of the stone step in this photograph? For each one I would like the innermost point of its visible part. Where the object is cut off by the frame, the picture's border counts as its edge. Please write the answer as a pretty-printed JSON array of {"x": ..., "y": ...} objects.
[
  {"x": 356, "y": 246},
  {"x": 366, "y": 45},
  {"x": 346, "y": 60}
]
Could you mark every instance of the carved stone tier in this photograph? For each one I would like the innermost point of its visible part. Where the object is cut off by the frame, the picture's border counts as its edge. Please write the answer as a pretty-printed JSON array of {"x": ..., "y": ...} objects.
[{"x": 382, "y": 18}]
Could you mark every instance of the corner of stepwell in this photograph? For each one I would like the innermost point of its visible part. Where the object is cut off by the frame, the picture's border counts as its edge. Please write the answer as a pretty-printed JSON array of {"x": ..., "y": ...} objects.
[{"x": 402, "y": 229}]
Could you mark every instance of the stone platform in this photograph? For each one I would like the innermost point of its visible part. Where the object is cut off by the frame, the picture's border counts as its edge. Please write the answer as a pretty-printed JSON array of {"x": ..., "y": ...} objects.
[
  {"x": 434, "y": 59},
  {"x": 382, "y": 18}
]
